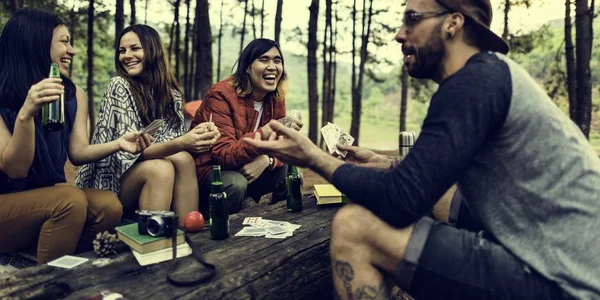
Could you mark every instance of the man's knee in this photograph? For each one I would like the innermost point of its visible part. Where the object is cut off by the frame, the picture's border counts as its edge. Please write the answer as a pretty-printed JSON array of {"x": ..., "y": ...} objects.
[
  {"x": 235, "y": 186},
  {"x": 348, "y": 224}
]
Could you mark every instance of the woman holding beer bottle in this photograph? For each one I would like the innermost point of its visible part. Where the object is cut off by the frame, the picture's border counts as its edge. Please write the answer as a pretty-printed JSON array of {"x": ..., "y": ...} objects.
[
  {"x": 32, "y": 157},
  {"x": 144, "y": 91}
]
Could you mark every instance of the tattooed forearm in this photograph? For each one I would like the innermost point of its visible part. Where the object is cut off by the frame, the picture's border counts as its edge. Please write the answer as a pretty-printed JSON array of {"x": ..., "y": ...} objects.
[
  {"x": 346, "y": 274},
  {"x": 287, "y": 121}
]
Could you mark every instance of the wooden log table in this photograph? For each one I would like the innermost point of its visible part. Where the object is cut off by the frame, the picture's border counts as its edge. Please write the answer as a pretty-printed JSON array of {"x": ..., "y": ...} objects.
[{"x": 297, "y": 267}]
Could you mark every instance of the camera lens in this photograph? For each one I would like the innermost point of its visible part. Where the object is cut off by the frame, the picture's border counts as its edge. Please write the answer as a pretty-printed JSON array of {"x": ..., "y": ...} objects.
[{"x": 155, "y": 226}]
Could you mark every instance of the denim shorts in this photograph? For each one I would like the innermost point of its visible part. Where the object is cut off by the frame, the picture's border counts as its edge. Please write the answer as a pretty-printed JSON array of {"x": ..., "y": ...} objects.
[{"x": 461, "y": 261}]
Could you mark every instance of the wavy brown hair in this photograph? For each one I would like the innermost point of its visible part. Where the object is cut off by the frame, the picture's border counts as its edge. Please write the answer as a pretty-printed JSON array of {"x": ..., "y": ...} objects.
[
  {"x": 240, "y": 79},
  {"x": 152, "y": 89}
]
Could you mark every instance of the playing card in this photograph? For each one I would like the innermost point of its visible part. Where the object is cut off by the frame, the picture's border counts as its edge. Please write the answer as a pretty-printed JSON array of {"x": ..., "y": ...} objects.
[
  {"x": 153, "y": 127},
  {"x": 296, "y": 114},
  {"x": 251, "y": 231},
  {"x": 275, "y": 230},
  {"x": 251, "y": 220},
  {"x": 67, "y": 261},
  {"x": 334, "y": 135}
]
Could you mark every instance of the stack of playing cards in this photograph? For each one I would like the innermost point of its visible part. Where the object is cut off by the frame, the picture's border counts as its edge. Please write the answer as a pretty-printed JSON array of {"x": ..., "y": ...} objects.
[
  {"x": 334, "y": 135},
  {"x": 268, "y": 228}
]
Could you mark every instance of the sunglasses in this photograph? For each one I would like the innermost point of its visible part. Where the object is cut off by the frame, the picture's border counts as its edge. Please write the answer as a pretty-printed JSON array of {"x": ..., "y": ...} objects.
[{"x": 412, "y": 18}]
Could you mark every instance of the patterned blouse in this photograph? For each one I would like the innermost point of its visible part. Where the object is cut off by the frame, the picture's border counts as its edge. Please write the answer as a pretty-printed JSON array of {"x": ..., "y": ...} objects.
[{"x": 119, "y": 114}]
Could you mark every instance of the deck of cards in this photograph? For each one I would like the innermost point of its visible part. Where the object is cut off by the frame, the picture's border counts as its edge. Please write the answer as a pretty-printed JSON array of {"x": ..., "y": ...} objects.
[
  {"x": 334, "y": 135},
  {"x": 153, "y": 127},
  {"x": 268, "y": 228}
]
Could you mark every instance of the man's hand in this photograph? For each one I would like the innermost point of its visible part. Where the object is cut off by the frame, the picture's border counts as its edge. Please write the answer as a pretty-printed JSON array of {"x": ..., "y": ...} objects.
[
  {"x": 290, "y": 146},
  {"x": 254, "y": 169},
  {"x": 291, "y": 122},
  {"x": 364, "y": 157}
]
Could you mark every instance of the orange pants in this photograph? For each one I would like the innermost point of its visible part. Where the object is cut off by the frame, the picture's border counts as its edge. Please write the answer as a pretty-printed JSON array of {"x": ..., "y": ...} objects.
[{"x": 58, "y": 217}]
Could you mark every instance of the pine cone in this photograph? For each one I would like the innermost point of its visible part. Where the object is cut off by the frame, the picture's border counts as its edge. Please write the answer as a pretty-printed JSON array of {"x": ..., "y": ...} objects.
[{"x": 105, "y": 243}]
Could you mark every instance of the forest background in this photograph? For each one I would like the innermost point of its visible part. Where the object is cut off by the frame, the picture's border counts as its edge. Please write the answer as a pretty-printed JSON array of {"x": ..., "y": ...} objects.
[{"x": 343, "y": 63}]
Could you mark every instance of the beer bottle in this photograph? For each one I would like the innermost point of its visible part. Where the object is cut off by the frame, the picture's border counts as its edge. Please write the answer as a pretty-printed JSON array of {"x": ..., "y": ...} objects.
[
  {"x": 293, "y": 183},
  {"x": 53, "y": 113},
  {"x": 219, "y": 214}
]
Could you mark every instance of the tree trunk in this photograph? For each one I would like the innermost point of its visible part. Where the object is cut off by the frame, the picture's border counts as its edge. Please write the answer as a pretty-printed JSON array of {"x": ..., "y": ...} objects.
[
  {"x": 146, "y": 12},
  {"x": 404, "y": 97},
  {"x": 119, "y": 20},
  {"x": 262, "y": 19},
  {"x": 73, "y": 20},
  {"x": 333, "y": 80},
  {"x": 253, "y": 20},
  {"x": 311, "y": 67},
  {"x": 186, "y": 54},
  {"x": 16, "y": 5},
  {"x": 243, "y": 33},
  {"x": 132, "y": 5},
  {"x": 278, "y": 20},
  {"x": 506, "y": 11},
  {"x": 90, "y": 67},
  {"x": 357, "y": 95},
  {"x": 583, "y": 40},
  {"x": 177, "y": 39},
  {"x": 326, "y": 85},
  {"x": 204, "y": 63},
  {"x": 353, "y": 81},
  {"x": 220, "y": 38},
  {"x": 570, "y": 62}
]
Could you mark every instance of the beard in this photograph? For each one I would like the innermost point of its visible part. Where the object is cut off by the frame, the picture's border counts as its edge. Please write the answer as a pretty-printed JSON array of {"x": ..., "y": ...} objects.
[{"x": 427, "y": 59}]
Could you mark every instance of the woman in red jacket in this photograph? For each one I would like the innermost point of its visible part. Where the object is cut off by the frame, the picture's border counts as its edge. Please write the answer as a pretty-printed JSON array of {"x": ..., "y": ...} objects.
[{"x": 242, "y": 105}]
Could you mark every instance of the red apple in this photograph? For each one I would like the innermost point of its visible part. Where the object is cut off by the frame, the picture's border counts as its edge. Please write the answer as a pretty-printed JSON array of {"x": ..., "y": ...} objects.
[{"x": 194, "y": 221}]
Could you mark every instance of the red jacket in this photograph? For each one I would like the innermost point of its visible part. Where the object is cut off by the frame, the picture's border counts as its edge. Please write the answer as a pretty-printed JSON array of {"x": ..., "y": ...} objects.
[{"x": 235, "y": 117}]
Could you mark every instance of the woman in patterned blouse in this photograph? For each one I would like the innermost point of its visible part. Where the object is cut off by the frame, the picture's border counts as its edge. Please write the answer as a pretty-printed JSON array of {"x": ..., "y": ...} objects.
[{"x": 163, "y": 176}]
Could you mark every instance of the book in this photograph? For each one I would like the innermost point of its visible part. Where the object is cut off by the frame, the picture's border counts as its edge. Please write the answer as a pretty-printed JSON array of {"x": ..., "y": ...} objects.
[
  {"x": 145, "y": 243},
  {"x": 161, "y": 255},
  {"x": 329, "y": 194}
]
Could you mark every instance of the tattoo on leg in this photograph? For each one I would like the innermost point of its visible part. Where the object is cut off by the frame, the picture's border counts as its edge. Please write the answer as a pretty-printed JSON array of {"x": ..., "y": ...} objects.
[
  {"x": 346, "y": 273},
  {"x": 366, "y": 293}
]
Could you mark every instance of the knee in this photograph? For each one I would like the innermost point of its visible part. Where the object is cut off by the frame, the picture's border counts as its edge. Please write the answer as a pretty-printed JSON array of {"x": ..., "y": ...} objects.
[
  {"x": 111, "y": 208},
  {"x": 72, "y": 204},
  {"x": 160, "y": 171},
  {"x": 182, "y": 160},
  {"x": 349, "y": 226},
  {"x": 237, "y": 183}
]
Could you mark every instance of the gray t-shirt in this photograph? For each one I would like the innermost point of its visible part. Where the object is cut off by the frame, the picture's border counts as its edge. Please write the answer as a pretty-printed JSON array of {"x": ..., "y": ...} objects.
[{"x": 527, "y": 172}]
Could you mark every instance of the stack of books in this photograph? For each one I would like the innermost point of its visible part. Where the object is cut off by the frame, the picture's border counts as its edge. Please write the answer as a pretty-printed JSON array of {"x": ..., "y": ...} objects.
[
  {"x": 149, "y": 249},
  {"x": 328, "y": 194}
]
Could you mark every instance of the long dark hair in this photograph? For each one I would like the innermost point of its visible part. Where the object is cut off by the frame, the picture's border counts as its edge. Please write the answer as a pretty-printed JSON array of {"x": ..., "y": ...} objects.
[
  {"x": 159, "y": 101},
  {"x": 25, "y": 55},
  {"x": 240, "y": 79}
]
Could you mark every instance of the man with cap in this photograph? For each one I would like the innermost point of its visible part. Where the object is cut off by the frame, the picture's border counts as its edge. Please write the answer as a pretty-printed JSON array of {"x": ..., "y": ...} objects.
[{"x": 528, "y": 226}]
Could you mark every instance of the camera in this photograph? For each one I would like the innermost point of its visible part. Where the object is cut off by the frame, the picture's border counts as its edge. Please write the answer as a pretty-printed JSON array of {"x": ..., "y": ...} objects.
[{"x": 157, "y": 223}]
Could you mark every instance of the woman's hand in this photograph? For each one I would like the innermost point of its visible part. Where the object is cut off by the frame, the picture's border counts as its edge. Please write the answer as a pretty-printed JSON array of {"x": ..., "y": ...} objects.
[
  {"x": 200, "y": 138},
  {"x": 45, "y": 91},
  {"x": 134, "y": 143},
  {"x": 254, "y": 169}
]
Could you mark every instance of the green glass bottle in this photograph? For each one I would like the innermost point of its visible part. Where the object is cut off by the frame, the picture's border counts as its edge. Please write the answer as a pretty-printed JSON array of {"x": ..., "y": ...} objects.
[
  {"x": 294, "y": 193},
  {"x": 53, "y": 113},
  {"x": 219, "y": 214}
]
